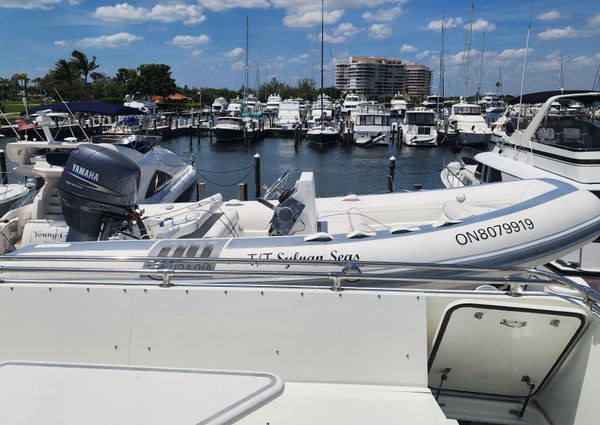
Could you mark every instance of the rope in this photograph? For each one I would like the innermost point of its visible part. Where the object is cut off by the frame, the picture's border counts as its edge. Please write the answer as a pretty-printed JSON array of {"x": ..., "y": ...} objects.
[
  {"x": 224, "y": 172},
  {"x": 226, "y": 185}
]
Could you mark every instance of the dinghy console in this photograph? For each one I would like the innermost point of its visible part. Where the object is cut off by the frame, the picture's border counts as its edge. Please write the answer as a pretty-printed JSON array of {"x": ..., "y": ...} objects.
[
  {"x": 288, "y": 209},
  {"x": 98, "y": 193}
]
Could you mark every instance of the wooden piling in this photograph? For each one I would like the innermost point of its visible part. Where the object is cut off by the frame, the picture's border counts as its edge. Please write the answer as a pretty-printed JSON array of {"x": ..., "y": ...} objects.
[
  {"x": 3, "y": 167},
  {"x": 200, "y": 190},
  {"x": 243, "y": 191},
  {"x": 257, "y": 176},
  {"x": 392, "y": 166}
]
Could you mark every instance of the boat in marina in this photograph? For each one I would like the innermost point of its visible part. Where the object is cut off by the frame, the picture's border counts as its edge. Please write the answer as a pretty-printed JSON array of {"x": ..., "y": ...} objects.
[
  {"x": 229, "y": 129},
  {"x": 554, "y": 145},
  {"x": 155, "y": 176},
  {"x": 323, "y": 132},
  {"x": 219, "y": 106},
  {"x": 273, "y": 102},
  {"x": 465, "y": 126},
  {"x": 371, "y": 126},
  {"x": 352, "y": 103},
  {"x": 288, "y": 117},
  {"x": 234, "y": 109},
  {"x": 443, "y": 347},
  {"x": 480, "y": 225},
  {"x": 419, "y": 128},
  {"x": 398, "y": 106}
]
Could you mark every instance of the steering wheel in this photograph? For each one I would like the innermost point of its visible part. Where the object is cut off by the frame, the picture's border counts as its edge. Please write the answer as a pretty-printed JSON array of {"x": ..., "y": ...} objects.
[{"x": 277, "y": 187}]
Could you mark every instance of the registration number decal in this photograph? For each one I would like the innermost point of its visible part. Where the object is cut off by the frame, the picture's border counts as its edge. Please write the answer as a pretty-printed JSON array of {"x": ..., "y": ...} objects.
[{"x": 494, "y": 231}]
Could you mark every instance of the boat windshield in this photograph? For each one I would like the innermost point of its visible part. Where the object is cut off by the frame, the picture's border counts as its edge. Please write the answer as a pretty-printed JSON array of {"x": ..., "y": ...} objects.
[
  {"x": 568, "y": 132},
  {"x": 466, "y": 110},
  {"x": 373, "y": 120},
  {"x": 420, "y": 118}
]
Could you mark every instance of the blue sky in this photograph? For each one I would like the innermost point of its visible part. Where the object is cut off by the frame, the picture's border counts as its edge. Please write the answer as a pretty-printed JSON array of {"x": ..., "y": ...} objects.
[{"x": 204, "y": 40}]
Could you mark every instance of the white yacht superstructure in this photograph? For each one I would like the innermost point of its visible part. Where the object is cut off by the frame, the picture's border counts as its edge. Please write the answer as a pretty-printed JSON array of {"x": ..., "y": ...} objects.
[
  {"x": 465, "y": 125},
  {"x": 219, "y": 106},
  {"x": 273, "y": 103},
  {"x": 352, "y": 102},
  {"x": 288, "y": 117},
  {"x": 371, "y": 125},
  {"x": 419, "y": 128}
]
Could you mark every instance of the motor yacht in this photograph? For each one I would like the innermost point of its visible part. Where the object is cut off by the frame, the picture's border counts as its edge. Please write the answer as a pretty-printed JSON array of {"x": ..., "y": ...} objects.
[
  {"x": 398, "y": 106},
  {"x": 371, "y": 126},
  {"x": 352, "y": 102},
  {"x": 424, "y": 343},
  {"x": 288, "y": 116},
  {"x": 273, "y": 103},
  {"x": 465, "y": 126},
  {"x": 556, "y": 145},
  {"x": 219, "y": 106},
  {"x": 419, "y": 128}
]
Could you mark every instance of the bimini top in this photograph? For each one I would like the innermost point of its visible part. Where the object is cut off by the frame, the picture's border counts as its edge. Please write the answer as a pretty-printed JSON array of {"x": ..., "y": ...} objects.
[
  {"x": 101, "y": 108},
  {"x": 541, "y": 97}
]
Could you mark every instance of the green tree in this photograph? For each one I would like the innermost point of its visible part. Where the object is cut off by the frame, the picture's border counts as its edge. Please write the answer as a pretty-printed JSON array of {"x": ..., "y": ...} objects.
[
  {"x": 306, "y": 89},
  {"x": 21, "y": 80},
  {"x": 155, "y": 79},
  {"x": 64, "y": 75},
  {"x": 84, "y": 66}
]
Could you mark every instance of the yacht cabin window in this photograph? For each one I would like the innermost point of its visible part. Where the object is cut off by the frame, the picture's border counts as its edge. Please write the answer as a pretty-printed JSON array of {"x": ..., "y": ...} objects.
[
  {"x": 159, "y": 180},
  {"x": 466, "y": 110},
  {"x": 490, "y": 175},
  {"x": 420, "y": 119}
]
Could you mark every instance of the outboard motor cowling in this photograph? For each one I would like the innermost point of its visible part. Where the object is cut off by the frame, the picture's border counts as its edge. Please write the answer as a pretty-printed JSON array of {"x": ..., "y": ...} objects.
[{"x": 97, "y": 187}]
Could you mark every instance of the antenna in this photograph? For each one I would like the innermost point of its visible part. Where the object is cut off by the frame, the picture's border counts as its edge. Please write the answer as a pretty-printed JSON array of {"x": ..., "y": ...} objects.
[
  {"x": 245, "y": 71},
  {"x": 561, "y": 82},
  {"x": 596, "y": 84},
  {"x": 441, "y": 94},
  {"x": 524, "y": 67},
  {"x": 479, "y": 83},
  {"x": 322, "y": 40},
  {"x": 469, "y": 39}
]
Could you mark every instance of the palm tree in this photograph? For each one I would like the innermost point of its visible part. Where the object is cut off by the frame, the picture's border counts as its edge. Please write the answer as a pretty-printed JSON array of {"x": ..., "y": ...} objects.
[
  {"x": 84, "y": 66},
  {"x": 21, "y": 76},
  {"x": 66, "y": 73}
]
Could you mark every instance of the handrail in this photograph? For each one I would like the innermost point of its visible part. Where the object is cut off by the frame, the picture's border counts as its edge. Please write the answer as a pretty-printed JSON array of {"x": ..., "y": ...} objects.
[{"x": 350, "y": 272}]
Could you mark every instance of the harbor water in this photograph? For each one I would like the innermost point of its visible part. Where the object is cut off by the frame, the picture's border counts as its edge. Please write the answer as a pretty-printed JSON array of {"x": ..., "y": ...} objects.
[{"x": 339, "y": 169}]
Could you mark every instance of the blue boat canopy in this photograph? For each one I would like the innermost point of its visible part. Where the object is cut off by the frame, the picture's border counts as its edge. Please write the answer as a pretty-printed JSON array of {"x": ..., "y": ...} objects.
[{"x": 100, "y": 108}]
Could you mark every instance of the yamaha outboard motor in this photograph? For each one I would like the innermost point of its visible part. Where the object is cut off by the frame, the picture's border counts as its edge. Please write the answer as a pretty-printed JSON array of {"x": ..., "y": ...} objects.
[{"x": 97, "y": 189}]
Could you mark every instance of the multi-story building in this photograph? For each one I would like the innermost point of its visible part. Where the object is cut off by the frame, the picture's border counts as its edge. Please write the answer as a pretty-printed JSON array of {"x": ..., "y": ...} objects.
[
  {"x": 378, "y": 77},
  {"x": 418, "y": 80}
]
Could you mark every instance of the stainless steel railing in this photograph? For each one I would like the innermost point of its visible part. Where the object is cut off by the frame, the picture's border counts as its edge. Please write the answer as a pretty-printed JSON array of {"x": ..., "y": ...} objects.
[{"x": 171, "y": 271}]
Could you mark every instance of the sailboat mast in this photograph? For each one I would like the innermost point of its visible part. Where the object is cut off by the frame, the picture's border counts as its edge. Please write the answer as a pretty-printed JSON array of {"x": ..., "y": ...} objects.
[
  {"x": 561, "y": 82},
  {"x": 479, "y": 83},
  {"x": 245, "y": 70},
  {"x": 322, "y": 41},
  {"x": 441, "y": 84},
  {"x": 469, "y": 36}
]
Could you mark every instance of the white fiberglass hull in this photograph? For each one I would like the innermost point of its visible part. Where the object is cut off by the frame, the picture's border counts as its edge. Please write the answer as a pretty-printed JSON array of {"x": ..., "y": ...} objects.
[{"x": 501, "y": 224}]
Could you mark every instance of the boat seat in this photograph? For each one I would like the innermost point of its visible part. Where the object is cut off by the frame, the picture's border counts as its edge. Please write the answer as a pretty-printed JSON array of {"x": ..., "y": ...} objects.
[
  {"x": 546, "y": 135},
  {"x": 454, "y": 210}
]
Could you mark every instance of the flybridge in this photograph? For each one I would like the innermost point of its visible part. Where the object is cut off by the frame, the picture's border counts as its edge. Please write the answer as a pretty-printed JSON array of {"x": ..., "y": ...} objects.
[{"x": 85, "y": 173}]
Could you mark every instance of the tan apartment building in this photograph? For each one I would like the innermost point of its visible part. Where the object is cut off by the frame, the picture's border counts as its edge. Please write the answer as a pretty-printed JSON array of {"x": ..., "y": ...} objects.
[{"x": 381, "y": 77}]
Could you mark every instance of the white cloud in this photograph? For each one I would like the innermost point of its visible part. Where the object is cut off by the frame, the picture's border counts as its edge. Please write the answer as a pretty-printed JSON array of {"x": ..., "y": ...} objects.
[
  {"x": 380, "y": 31},
  {"x": 170, "y": 12},
  {"x": 238, "y": 66},
  {"x": 312, "y": 18},
  {"x": 28, "y": 4},
  {"x": 339, "y": 34},
  {"x": 584, "y": 61},
  {"x": 61, "y": 43},
  {"x": 423, "y": 54},
  {"x": 221, "y": 5},
  {"x": 384, "y": 15},
  {"x": 190, "y": 41},
  {"x": 234, "y": 53},
  {"x": 551, "y": 15},
  {"x": 448, "y": 24},
  {"x": 121, "y": 39},
  {"x": 510, "y": 54},
  {"x": 594, "y": 20},
  {"x": 558, "y": 33},
  {"x": 408, "y": 48},
  {"x": 299, "y": 59},
  {"x": 482, "y": 25}
]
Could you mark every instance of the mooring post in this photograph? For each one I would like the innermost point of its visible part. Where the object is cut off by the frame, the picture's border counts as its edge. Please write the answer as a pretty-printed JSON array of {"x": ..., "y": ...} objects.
[
  {"x": 390, "y": 183},
  {"x": 201, "y": 190},
  {"x": 257, "y": 176},
  {"x": 392, "y": 167},
  {"x": 191, "y": 131},
  {"x": 243, "y": 191},
  {"x": 3, "y": 167}
]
